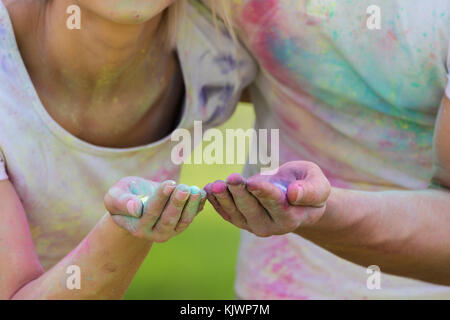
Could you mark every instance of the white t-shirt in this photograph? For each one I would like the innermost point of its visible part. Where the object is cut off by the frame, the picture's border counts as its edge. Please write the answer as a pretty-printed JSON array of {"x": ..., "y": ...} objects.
[
  {"x": 359, "y": 102},
  {"x": 60, "y": 179}
]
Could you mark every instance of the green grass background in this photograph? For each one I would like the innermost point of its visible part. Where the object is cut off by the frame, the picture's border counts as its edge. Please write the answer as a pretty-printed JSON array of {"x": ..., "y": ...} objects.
[{"x": 201, "y": 262}]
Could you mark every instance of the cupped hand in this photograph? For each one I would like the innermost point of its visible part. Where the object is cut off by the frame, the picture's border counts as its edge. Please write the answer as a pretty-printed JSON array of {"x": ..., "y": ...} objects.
[
  {"x": 266, "y": 205},
  {"x": 151, "y": 210}
]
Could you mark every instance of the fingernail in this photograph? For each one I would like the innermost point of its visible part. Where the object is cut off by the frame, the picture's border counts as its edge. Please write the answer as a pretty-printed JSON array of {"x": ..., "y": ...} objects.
[
  {"x": 219, "y": 187},
  {"x": 134, "y": 208},
  {"x": 181, "y": 195},
  {"x": 207, "y": 188},
  {"x": 182, "y": 192},
  {"x": 195, "y": 190},
  {"x": 235, "y": 179},
  {"x": 168, "y": 189},
  {"x": 299, "y": 194},
  {"x": 183, "y": 187}
]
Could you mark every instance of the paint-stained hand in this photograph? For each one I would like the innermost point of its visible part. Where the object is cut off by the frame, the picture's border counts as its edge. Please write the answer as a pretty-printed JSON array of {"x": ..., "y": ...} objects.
[
  {"x": 268, "y": 205},
  {"x": 151, "y": 210}
]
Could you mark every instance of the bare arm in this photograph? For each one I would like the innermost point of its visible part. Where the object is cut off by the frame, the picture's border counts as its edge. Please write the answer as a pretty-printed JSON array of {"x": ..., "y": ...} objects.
[
  {"x": 404, "y": 232},
  {"x": 109, "y": 256}
]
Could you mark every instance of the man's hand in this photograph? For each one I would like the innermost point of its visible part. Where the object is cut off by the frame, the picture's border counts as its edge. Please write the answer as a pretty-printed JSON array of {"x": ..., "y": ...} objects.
[
  {"x": 275, "y": 204},
  {"x": 151, "y": 210}
]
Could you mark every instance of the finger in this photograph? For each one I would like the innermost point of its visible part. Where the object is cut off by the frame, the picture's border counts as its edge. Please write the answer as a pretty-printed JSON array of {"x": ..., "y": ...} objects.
[
  {"x": 212, "y": 199},
  {"x": 190, "y": 210},
  {"x": 154, "y": 204},
  {"x": 224, "y": 198},
  {"x": 271, "y": 197},
  {"x": 202, "y": 201},
  {"x": 313, "y": 190},
  {"x": 246, "y": 203},
  {"x": 170, "y": 217},
  {"x": 120, "y": 202}
]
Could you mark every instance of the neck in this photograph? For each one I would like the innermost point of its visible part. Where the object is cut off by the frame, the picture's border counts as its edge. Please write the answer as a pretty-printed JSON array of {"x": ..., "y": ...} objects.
[
  {"x": 110, "y": 84},
  {"x": 99, "y": 54}
]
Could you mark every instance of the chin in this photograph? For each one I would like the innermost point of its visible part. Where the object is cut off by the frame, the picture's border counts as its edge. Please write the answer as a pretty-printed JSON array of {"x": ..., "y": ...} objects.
[
  {"x": 133, "y": 17},
  {"x": 126, "y": 11}
]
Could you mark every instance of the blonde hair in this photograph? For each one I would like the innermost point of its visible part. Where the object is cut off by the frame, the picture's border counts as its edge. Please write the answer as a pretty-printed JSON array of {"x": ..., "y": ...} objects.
[{"x": 220, "y": 9}]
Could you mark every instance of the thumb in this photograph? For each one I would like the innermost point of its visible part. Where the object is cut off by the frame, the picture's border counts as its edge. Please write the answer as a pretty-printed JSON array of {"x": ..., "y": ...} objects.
[
  {"x": 124, "y": 203},
  {"x": 128, "y": 223},
  {"x": 312, "y": 191}
]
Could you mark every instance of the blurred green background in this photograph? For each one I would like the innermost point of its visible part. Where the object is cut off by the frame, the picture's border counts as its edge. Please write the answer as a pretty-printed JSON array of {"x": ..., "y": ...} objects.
[{"x": 200, "y": 263}]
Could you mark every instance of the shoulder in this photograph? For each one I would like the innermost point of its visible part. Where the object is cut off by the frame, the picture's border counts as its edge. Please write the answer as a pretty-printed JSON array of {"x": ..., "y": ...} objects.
[
  {"x": 208, "y": 44},
  {"x": 15, "y": 86},
  {"x": 12, "y": 69},
  {"x": 216, "y": 67}
]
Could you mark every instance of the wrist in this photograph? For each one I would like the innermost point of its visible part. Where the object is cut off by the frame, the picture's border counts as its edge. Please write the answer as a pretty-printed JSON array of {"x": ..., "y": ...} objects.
[
  {"x": 331, "y": 219},
  {"x": 108, "y": 223},
  {"x": 332, "y": 209},
  {"x": 349, "y": 215}
]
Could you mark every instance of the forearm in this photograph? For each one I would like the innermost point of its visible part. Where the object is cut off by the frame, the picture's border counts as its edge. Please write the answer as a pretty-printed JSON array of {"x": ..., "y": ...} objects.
[
  {"x": 108, "y": 259},
  {"x": 403, "y": 232}
]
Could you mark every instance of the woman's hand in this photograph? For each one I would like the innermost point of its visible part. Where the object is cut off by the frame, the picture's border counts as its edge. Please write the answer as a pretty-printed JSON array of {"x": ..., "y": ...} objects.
[{"x": 151, "y": 210}]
